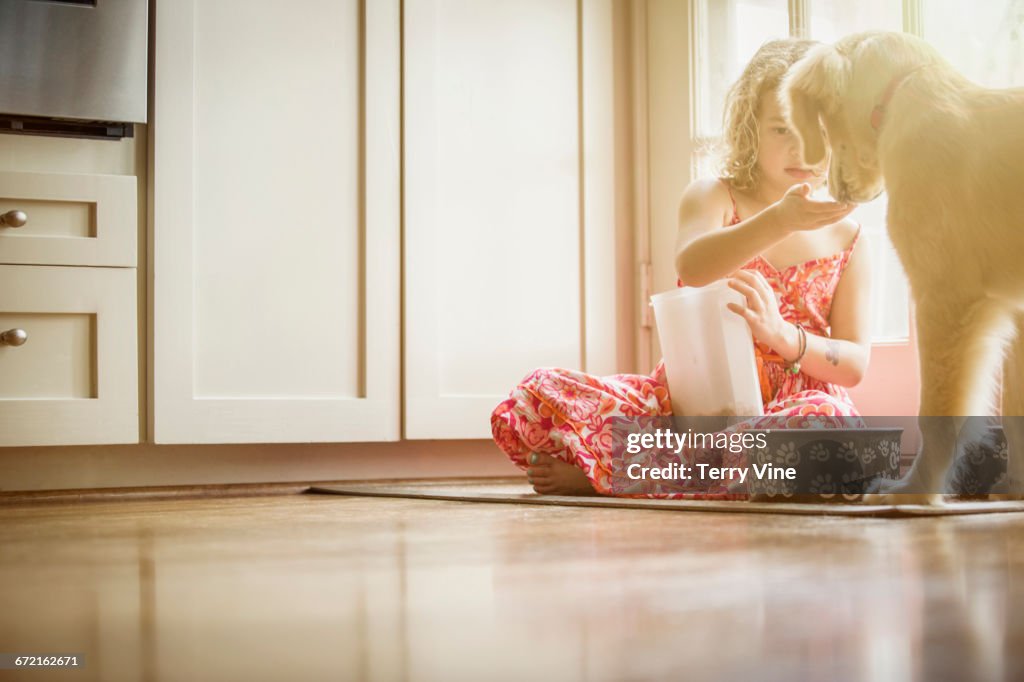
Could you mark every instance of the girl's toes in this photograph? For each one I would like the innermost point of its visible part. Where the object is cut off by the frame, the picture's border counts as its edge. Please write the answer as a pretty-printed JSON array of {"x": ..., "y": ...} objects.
[
  {"x": 539, "y": 459},
  {"x": 538, "y": 475},
  {"x": 544, "y": 487}
]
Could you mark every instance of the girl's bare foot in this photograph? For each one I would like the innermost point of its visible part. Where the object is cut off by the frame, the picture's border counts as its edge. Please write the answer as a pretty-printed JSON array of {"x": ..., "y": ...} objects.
[{"x": 551, "y": 476}]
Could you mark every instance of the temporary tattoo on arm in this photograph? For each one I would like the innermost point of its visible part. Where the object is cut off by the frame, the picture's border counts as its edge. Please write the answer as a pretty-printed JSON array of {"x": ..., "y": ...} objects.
[{"x": 832, "y": 352}]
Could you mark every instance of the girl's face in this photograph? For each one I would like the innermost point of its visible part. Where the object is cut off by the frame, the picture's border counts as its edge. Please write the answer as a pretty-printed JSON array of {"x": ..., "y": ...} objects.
[{"x": 778, "y": 152}]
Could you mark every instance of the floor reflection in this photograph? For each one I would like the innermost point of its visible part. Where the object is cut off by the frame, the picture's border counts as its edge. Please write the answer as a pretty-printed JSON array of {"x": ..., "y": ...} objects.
[{"x": 385, "y": 589}]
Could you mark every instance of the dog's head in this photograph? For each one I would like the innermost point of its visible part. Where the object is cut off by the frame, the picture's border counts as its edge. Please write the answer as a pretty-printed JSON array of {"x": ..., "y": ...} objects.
[{"x": 831, "y": 96}]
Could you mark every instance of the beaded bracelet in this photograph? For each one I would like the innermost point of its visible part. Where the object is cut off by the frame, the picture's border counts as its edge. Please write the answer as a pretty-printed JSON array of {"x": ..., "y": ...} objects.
[{"x": 794, "y": 367}]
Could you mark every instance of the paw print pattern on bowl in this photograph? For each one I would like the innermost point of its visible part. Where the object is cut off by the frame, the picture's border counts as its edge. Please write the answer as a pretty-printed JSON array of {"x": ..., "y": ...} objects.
[
  {"x": 827, "y": 462},
  {"x": 823, "y": 485},
  {"x": 819, "y": 452}
]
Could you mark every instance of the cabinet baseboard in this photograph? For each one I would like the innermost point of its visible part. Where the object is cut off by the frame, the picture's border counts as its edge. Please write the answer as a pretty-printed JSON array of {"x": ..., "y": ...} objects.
[{"x": 146, "y": 465}]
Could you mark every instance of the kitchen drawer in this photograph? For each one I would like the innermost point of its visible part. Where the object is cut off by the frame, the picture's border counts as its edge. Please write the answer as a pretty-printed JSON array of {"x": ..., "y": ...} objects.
[
  {"x": 74, "y": 379},
  {"x": 69, "y": 219}
]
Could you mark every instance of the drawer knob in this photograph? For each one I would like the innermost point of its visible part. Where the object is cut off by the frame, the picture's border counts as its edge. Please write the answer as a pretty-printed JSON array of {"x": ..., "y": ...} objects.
[
  {"x": 13, "y": 337},
  {"x": 13, "y": 219}
]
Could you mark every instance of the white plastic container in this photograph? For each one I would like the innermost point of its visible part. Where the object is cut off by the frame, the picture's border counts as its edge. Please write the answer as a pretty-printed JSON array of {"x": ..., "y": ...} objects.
[{"x": 708, "y": 352}]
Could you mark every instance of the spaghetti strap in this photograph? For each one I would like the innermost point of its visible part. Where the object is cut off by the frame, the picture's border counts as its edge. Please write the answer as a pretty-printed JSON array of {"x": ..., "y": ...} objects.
[
  {"x": 735, "y": 212},
  {"x": 856, "y": 237},
  {"x": 846, "y": 254}
]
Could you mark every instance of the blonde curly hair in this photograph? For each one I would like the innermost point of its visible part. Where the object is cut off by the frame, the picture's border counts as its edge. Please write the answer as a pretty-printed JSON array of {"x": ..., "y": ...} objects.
[{"x": 738, "y": 155}]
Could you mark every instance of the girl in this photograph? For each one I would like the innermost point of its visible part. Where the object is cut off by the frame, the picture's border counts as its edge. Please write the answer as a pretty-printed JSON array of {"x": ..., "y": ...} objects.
[{"x": 805, "y": 288}]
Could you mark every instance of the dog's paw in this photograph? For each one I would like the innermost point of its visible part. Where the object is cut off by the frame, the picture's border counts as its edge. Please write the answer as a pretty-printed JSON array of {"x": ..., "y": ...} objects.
[{"x": 1007, "y": 488}]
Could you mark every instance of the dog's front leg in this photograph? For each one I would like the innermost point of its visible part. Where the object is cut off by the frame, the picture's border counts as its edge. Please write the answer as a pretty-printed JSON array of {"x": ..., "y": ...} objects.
[
  {"x": 1012, "y": 484},
  {"x": 924, "y": 483},
  {"x": 959, "y": 347}
]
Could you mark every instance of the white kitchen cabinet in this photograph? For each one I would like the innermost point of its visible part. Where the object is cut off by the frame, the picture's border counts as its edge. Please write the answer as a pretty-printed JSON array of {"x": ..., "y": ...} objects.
[
  {"x": 304, "y": 284},
  {"x": 509, "y": 190},
  {"x": 73, "y": 379},
  {"x": 276, "y": 221}
]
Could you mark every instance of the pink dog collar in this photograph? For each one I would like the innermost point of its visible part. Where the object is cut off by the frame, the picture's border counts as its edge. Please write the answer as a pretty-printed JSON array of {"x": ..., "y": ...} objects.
[{"x": 878, "y": 113}]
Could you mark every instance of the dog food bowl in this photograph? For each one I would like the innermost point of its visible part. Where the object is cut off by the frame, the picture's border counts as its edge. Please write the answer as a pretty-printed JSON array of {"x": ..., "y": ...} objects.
[{"x": 826, "y": 464}]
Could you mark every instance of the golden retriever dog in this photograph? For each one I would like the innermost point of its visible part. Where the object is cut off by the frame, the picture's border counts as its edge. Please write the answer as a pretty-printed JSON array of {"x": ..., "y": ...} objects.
[{"x": 950, "y": 154}]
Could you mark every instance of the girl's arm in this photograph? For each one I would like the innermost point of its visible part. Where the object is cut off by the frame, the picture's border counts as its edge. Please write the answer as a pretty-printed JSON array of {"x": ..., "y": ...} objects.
[
  {"x": 706, "y": 251},
  {"x": 841, "y": 359}
]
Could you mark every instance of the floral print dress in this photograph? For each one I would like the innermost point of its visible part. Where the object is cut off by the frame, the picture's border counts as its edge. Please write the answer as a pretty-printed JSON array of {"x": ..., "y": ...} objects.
[{"x": 569, "y": 414}]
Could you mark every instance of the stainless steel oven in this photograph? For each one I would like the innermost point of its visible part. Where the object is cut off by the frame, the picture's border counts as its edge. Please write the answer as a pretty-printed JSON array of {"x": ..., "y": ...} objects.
[{"x": 73, "y": 67}]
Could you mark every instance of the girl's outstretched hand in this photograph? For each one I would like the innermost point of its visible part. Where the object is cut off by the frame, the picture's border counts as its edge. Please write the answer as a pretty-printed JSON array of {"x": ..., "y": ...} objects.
[
  {"x": 796, "y": 211},
  {"x": 760, "y": 309}
]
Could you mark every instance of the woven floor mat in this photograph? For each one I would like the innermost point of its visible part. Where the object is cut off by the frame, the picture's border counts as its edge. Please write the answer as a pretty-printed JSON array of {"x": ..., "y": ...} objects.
[{"x": 515, "y": 491}]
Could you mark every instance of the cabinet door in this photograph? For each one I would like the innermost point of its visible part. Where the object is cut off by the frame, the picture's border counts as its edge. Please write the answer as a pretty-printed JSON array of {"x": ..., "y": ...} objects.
[
  {"x": 276, "y": 221},
  {"x": 71, "y": 377},
  {"x": 509, "y": 187}
]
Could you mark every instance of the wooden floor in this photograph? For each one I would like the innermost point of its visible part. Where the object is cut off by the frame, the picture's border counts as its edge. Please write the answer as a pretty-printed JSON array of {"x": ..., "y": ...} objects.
[{"x": 310, "y": 587}]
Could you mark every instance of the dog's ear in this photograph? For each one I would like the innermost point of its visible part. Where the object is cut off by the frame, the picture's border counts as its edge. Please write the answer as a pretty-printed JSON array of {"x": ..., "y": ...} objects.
[
  {"x": 804, "y": 113},
  {"x": 812, "y": 87}
]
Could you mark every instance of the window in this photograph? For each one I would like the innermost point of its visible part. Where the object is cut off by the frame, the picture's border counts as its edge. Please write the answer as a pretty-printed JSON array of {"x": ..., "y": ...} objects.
[
  {"x": 830, "y": 20},
  {"x": 734, "y": 31},
  {"x": 984, "y": 40}
]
